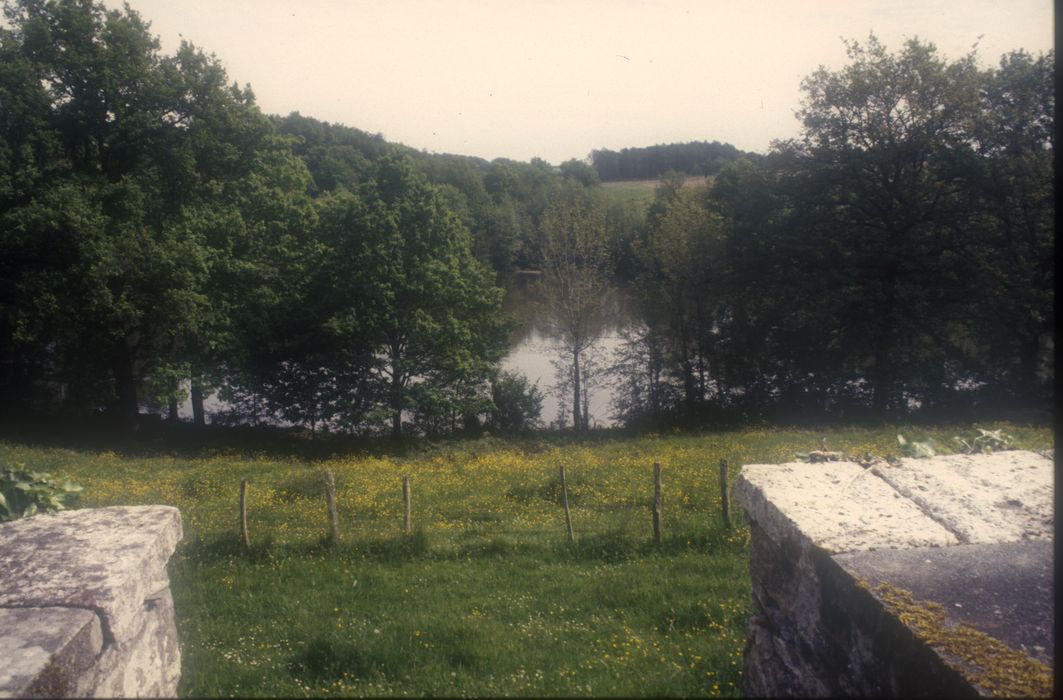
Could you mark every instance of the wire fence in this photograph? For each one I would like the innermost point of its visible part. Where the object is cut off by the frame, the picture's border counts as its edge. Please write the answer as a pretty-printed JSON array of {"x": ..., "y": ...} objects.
[{"x": 568, "y": 503}]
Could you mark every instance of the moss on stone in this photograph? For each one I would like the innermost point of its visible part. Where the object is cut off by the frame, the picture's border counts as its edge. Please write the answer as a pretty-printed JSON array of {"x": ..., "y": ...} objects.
[
  {"x": 991, "y": 666},
  {"x": 52, "y": 682}
]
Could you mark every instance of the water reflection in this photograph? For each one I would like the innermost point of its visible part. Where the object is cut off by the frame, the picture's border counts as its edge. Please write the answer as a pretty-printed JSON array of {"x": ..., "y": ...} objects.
[{"x": 535, "y": 345}]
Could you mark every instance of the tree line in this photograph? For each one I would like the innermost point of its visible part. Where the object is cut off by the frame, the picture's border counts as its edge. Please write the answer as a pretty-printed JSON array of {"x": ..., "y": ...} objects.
[
  {"x": 651, "y": 162},
  {"x": 158, "y": 232},
  {"x": 897, "y": 256}
]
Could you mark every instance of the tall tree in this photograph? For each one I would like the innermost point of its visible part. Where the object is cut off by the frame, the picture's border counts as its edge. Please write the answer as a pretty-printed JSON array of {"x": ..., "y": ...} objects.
[
  {"x": 885, "y": 200},
  {"x": 681, "y": 284},
  {"x": 126, "y": 278},
  {"x": 576, "y": 279},
  {"x": 1012, "y": 287},
  {"x": 141, "y": 162},
  {"x": 409, "y": 288}
]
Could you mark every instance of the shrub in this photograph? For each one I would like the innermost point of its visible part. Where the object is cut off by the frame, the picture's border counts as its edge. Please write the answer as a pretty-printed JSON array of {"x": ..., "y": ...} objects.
[
  {"x": 24, "y": 493},
  {"x": 517, "y": 404}
]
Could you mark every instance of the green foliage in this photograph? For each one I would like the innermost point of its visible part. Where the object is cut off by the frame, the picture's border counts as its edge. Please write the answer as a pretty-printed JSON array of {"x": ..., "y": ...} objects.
[
  {"x": 695, "y": 158},
  {"x": 918, "y": 450},
  {"x": 985, "y": 441},
  {"x": 131, "y": 246},
  {"x": 402, "y": 299},
  {"x": 25, "y": 493},
  {"x": 516, "y": 404},
  {"x": 157, "y": 230},
  {"x": 575, "y": 282}
]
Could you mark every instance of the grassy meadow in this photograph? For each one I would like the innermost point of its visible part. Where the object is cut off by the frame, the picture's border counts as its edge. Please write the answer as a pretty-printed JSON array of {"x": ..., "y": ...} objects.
[
  {"x": 485, "y": 597},
  {"x": 640, "y": 191}
]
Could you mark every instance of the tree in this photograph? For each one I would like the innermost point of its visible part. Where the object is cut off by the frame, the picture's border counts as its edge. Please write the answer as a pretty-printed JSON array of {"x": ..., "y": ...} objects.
[
  {"x": 576, "y": 280},
  {"x": 885, "y": 205},
  {"x": 580, "y": 172},
  {"x": 640, "y": 389},
  {"x": 1013, "y": 272},
  {"x": 406, "y": 286},
  {"x": 122, "y": 228},
  {"x": 516, "y": 405},
  {"x": 122, "y": 278}
]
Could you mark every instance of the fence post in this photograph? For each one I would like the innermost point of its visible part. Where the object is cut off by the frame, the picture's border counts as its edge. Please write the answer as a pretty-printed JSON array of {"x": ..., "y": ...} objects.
[
  {"x": 657, "y": 503},
  {"x": 243, "y": 514},
  {"x": 330, "y": 496},
  {"x": 564, "y": 503},
  {"x": 725, "y": 495},
  {"x": 407, "y": 523}
]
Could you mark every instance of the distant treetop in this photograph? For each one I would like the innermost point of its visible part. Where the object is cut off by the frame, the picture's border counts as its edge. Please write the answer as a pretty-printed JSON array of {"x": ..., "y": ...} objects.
[{"x": 693, "y": 158}]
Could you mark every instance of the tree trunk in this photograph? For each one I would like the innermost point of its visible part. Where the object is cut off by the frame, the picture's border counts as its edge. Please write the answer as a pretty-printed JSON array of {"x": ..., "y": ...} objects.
[
  {"x": 199, "y": 416},
  {"x": 124, "y": 382},
  {"x": 689, "y": 385},
  {"x": 586, "y": 405},
  {"x": 882, "y": 374},
  {"x": 396, "y": 390},
  {"x": 577, "y": 419},
  {"x": 1029, "y": 363},
  {"x": 172, "y": 415},
  {"x": 880, "y": 393},
  {"x": 655, "y": 373}
]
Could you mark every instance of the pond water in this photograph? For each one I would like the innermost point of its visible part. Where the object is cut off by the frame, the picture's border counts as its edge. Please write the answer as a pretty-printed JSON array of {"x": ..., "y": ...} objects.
[{"x": 534, "y": 347}]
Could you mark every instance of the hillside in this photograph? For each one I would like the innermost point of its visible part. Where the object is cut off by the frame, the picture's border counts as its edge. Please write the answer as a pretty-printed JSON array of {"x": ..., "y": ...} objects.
[
  {"x": 641, "y": 191},
  {"x": 651, "y": 162}
]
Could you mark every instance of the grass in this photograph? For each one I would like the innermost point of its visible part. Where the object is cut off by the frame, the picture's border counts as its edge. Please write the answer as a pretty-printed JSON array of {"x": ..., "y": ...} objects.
[
  {"x": 485, "y": 598},
  {"x": 640, "y": 191}
]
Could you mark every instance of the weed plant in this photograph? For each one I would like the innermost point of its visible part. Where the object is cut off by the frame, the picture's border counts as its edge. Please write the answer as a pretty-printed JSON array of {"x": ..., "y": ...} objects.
[{"x": 485, "y": 597}]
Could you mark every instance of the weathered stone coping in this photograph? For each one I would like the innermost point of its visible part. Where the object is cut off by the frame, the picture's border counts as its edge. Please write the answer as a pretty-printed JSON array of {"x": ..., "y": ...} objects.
[
  {"x": 942, "y": 501},
  {"x": 969, "y": 533},
  {"x": 1004, "y": 590},
  {"x": 85, "y": 606}
]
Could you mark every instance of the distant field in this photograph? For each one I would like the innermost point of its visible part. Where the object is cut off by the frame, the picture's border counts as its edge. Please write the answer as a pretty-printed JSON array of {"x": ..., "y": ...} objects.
[
  {"x": 693, "y": 181},
  {"x": 485, "y": 598},
  {"x": 642, "y": 190}
]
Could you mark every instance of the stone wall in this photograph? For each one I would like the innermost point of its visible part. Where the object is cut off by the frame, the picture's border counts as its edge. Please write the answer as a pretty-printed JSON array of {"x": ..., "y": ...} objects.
[
  {"x": 925, "y": 577},
  {"x": 85, "y": 604}
]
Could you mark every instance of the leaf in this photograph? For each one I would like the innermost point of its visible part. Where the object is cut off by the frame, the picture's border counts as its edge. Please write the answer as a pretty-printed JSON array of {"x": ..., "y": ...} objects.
[{"x": 922, "y": 450}]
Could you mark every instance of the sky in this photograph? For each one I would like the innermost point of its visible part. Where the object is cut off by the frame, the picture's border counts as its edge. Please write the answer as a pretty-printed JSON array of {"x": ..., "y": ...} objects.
[{"x": 521, "y": 78}]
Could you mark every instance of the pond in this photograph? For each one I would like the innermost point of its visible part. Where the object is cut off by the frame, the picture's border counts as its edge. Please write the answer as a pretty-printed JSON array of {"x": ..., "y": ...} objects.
[{"x": 534, "y": 347}]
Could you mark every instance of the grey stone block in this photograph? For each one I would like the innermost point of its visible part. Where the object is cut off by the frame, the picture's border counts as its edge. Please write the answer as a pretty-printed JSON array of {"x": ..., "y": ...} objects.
[
  {"x": 824, "y": 536},
  {"x": 45, "y": 652},
  {"x": 104, "y": 571}
]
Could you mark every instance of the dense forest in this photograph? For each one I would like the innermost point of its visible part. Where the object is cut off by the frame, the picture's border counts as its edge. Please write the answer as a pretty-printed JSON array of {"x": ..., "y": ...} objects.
[
  {"x": 160, "y": 235},
  {"x": 651, "y": 162}
]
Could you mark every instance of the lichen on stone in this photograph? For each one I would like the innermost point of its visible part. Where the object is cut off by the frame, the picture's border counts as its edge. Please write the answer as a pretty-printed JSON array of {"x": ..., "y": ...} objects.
[{"x": 991, "y": 666}]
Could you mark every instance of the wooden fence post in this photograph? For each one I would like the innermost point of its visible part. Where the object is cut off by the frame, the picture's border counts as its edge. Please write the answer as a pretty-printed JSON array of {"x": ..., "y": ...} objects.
[
  {"x": 564, "y": 503},
  {"x": 725, "y": 494},
  {"x": 330, "y": 496},
  {"x": 657, "y": 503},
  {"x": 243, "y": 514},
  {"x": 407, "y": 522}
]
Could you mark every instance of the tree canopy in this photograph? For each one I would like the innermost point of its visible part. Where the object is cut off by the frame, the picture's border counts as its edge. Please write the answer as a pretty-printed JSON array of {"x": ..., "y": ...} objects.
[{"x": 160, "y": 235}]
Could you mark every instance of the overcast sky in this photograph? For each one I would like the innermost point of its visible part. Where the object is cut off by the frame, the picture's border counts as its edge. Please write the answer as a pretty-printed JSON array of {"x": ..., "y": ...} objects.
[{"x": 519, "y": 79}]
